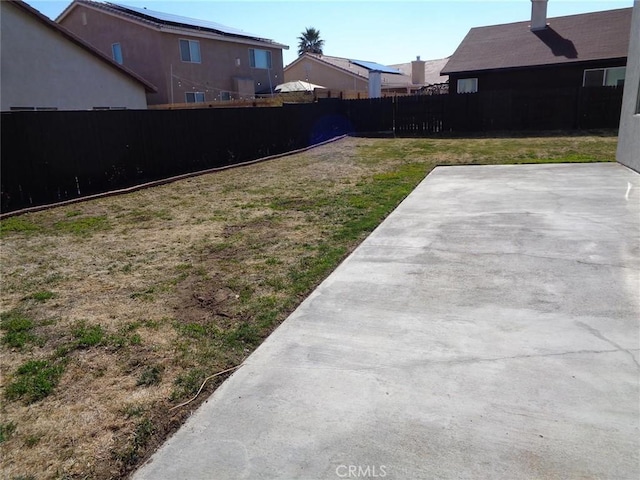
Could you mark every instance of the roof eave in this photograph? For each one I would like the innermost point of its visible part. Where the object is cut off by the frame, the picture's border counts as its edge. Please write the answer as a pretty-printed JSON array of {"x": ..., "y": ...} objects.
[
  {"x": 166, "y": 26},
  {"x": 328, "y": 64},
  {"x": 525, "y": 67}
]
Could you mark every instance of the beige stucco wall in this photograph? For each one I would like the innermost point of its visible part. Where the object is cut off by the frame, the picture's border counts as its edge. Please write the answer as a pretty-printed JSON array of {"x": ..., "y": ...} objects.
[
  {"x": 153, "y": 55},
  {"x": 42, "y": 68},
  {"x": 629, "y": 137},
  {"x": 324, "y": 75}
]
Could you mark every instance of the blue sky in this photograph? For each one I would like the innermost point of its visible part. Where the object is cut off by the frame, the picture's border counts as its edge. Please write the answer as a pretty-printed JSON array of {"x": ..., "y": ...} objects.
[{"x": 386, "y": 32}]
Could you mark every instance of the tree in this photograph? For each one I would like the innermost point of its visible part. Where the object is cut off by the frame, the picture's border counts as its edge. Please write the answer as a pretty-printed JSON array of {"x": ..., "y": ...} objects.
[{"x": 310, "y": 41}]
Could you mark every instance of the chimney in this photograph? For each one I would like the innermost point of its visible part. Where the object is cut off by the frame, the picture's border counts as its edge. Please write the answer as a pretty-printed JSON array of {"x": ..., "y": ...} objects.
[
  {"x": 375, "y": 84},
  {"x": 538, "y": 15},
  {"x": 417, "y": 71}
]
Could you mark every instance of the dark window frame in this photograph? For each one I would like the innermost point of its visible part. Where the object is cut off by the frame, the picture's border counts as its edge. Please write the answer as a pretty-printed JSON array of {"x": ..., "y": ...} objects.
[
  {"x": 195, "y": 96},
  {"x": 187, "y": 54},
  {"x": 268, "y": 56}
]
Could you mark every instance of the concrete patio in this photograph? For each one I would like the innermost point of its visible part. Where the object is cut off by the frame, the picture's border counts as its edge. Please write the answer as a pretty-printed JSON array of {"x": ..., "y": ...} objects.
[{"x": 488, "y": 328}]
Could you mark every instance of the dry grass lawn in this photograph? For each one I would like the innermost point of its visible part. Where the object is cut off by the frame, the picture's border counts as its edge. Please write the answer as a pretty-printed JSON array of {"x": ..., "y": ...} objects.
[{"x": 115, "y": 310}]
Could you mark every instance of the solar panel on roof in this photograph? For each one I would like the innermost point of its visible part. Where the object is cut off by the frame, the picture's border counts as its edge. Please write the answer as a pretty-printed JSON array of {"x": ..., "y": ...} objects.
[
  {"x": 376, "y": 67},
  {"x": 191, "y": 22}
]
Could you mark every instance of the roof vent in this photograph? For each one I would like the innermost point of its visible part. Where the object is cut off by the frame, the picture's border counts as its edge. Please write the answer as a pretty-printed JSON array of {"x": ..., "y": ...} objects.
[{"x": 538, "y": 15}]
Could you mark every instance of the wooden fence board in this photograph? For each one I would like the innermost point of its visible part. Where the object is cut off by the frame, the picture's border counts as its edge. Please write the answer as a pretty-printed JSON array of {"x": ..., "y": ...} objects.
[{"x": 53, "y": 156}]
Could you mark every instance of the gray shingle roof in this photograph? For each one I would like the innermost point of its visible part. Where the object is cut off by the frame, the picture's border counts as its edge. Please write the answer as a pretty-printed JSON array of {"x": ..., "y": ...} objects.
[
  {"x": 574, "y": 38},
  {"x": 431, "y": 70}
]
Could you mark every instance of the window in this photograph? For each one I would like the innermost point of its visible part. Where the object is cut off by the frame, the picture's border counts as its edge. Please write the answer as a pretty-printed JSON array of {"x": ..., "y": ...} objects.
[
  {"x": 194, "y": 97},
  {"x": 116, "y": 52},
  {"x": 467, "y": 85},
  {"x": 224, "y": 96},
  {"x": 614, "y": 77},
  {"x": 593, "y": 78},
  {"x": 259, "y": 58},
  {"x": 190, "y": 51},
  {"x": 604, "y": 77},
  {"x": 31, "y": 109}
]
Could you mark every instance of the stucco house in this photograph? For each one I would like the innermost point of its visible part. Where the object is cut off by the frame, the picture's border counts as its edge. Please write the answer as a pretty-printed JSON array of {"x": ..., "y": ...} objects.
[
  {"x": 189, "y": 60},
  {"x": 46, "y": 67},
  {"x": 424, "y": 73},
  {"x": 587, "y": 50},
  {"x": 348, "y": 75},
  {"x": 629, "y": 135}
]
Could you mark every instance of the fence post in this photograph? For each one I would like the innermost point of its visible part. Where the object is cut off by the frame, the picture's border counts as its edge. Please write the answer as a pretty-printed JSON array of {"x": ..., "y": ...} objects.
[
  {"x": 393, "y": 115},
  {"x": 578, "y": 108}
]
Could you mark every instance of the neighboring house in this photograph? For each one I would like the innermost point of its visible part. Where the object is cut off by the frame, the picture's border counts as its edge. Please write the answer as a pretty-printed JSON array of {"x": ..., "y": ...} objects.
[
  {"x": 577, "y": 50},
  {"x": 45, "y": 67},
  {"x": 424, "y": 73},
  {"x": 344, "y": 74},
  {"x": 189, "y": 60},
  {"x": 629, "y": 138}
]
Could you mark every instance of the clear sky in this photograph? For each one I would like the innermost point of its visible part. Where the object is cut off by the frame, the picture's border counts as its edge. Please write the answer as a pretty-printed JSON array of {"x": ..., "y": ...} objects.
[{"x": 386, "y": 32}]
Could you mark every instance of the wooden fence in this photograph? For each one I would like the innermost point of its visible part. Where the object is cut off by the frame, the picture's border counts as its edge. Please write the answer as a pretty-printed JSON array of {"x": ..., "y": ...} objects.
[
  {"x": 49, "y": 157},
  {"x": 54, "y": 156},
  {"x": 504, "y": 110}
]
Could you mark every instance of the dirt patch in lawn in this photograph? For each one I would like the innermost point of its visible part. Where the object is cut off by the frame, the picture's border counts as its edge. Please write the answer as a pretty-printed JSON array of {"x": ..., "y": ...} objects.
[{"x": 115, "y": 310}]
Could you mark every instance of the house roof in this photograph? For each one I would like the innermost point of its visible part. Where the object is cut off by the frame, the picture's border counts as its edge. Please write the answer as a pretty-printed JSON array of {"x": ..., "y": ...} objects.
[
  {"x": 357, "y": 68},
  {"x": 375, "y": 67},
  {"x": 569, "y": 39},
  {"x": 432, "y": 70},
  {"x": 149, "y": 87},
  {"x": 162, "y": 20}
]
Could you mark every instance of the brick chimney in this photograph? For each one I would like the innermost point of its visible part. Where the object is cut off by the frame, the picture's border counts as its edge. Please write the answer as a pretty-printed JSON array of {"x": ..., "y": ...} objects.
[
  {"x": 417, "y": 71},
  {"x": 538, "y": 15}
]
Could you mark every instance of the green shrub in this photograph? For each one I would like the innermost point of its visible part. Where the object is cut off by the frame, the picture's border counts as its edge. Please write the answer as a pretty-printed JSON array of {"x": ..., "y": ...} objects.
[
  {"x": 188, "y": 384},
  {"x": 6, "y": 430},
  {"x": 42, "y": 296},
  {"x": 18, "y": 225},
  {"x": 150, "y": 376},
  {"x": 83, "y": 226},
  {"x": 87, "y": 335},
  {"x": 17, "y": 328},
  {"x": 34, "y": 380}
]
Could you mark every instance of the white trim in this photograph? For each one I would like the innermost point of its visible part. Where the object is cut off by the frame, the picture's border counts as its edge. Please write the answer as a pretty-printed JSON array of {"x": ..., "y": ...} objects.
[
  {"x": 604, "y": 74},
  {"x": 474, "y": 87}
]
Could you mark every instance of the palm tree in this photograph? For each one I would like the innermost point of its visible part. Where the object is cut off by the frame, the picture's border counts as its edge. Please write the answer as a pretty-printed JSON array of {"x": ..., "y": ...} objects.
[{"x": 310, "y": 41}]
